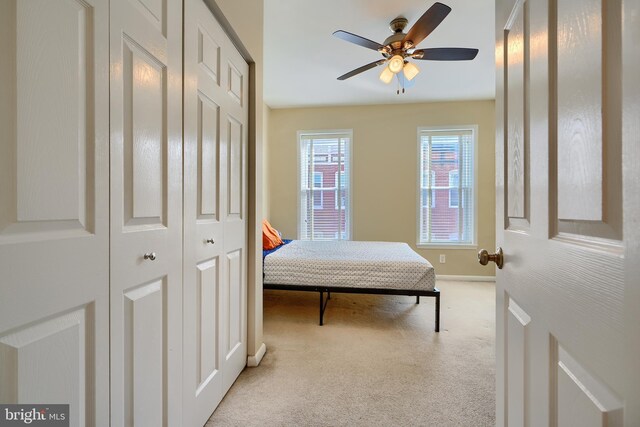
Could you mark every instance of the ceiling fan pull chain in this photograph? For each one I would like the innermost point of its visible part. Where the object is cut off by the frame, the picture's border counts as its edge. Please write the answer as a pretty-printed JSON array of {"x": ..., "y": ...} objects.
[{"x": 400, "y": 85}]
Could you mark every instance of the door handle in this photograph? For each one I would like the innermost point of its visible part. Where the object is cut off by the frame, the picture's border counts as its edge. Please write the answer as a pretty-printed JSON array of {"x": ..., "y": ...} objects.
[
  {"x": 484, "y": 257},
  {"x": 151, "y": 256},
  {"x": 210, "y": 241}
]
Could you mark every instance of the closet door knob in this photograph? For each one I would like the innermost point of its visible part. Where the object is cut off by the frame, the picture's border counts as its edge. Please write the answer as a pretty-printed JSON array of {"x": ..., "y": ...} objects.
[
  {"x": 210, "y": 241},
  {"x": 151, "y": 256}
]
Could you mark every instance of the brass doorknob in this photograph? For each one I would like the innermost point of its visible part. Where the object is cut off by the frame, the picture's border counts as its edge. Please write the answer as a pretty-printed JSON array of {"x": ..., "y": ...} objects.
[{"x": 484, "y": 257}]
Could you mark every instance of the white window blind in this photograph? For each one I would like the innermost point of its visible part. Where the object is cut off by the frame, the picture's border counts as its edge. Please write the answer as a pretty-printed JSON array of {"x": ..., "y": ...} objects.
[
  {"x": 424, "y": 187},
  {"x": 318, "y": 183},
  {"x": 454, "y": 181},
  {"x": 325, "y": 188},
  {"x": 447, "y": 187}
]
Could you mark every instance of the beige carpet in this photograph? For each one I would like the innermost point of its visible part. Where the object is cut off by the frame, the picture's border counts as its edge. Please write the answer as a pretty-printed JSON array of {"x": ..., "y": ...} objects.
[{"x": 375, "y": 362}]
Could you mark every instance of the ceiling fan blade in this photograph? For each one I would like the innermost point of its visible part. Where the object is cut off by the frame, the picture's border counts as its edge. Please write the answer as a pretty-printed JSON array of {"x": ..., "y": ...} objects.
[
  {"x": 445, "y": 54},
  {"x": 360, "y": 41},
  {"x": 427, "y": 23},
  {"x": 361, "y": 69}
]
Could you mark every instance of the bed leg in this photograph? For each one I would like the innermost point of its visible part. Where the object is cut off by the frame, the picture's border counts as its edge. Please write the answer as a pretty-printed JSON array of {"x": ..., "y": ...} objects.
[
  {"x": 321, "y": 311},
  {"x": 417, "y": 299},
  {"x": 323, "y": 305},
  {"x": 328, "y": 295},
  {"x": 438, "y": 312}
]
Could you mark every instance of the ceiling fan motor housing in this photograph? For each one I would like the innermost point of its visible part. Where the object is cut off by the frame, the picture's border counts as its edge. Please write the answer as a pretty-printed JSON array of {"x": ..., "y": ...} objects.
[
  {"x": 398, "y": 25},
  {"x": 395, "y": 41}
]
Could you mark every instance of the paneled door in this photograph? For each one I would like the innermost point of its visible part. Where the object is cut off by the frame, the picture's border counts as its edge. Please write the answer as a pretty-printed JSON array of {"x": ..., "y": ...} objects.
[
  {"x": 215, "y": 198},
  {"x": 567, "y": 208},
  {"x": 146, "y": 212},
  {"x": 54, "y": 229}
]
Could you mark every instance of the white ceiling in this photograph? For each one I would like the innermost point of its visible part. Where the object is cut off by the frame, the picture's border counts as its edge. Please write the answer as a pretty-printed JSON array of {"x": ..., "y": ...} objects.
[{"x": 302, "y": 60}]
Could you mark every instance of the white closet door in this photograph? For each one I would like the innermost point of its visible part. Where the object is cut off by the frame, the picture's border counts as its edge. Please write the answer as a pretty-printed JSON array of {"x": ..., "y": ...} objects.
[
  {"x": 146, "y": 212},
  {"x": 215, "y": 137},
  {"x": 54, "y": 230},
  {"x": 234, "y": 137}
]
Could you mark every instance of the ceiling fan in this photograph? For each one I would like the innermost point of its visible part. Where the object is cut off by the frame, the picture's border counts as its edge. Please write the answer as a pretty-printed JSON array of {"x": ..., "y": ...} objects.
[{"x": 399, "y": 47}]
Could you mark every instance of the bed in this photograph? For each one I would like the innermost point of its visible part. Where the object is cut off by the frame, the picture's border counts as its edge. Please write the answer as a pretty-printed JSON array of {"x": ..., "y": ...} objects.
[{"x": 350, "y": 267}]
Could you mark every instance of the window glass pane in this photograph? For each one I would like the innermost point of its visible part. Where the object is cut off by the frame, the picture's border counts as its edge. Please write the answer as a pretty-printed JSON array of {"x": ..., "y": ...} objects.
[
  {"x": 317, "y": 194},
  {"x": 446, "y": 181},
  {"x": 324, "y": 202},
  {"x": 453, "y": 189}
]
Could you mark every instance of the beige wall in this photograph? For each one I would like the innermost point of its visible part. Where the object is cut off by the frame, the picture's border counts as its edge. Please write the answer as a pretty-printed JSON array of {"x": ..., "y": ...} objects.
[
  {"x": 385, "y": 171},
  {"x": 266, "y": 201}
]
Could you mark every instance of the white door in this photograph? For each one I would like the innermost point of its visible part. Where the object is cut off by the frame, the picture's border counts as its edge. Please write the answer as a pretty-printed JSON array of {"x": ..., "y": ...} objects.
[
  {"x": 146, "y": 212},
  {"x": 54, "y": 206},
  {"x": 567, "y": 209},
  {"x": 215, "y": 182}
]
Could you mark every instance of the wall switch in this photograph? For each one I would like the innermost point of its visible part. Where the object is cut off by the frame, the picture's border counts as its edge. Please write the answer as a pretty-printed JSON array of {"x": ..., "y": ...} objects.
[{"x": 443, "y": 258}]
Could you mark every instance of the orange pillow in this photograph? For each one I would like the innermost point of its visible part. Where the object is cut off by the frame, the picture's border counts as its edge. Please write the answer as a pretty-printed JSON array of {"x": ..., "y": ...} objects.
[{"x": 270, "y": 237}]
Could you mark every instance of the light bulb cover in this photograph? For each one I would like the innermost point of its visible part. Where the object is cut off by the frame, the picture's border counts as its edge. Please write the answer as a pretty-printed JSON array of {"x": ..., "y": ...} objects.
[
  {"x": 396, "y": 63},
  {"x": 386, "y": 75},
  {"x": 410, "y": 70}
]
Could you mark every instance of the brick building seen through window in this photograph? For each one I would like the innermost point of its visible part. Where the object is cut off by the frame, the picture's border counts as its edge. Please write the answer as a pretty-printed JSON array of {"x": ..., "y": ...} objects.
[
  {"x": 324, "y": 180},
  {"x": 446, "y": 198}
]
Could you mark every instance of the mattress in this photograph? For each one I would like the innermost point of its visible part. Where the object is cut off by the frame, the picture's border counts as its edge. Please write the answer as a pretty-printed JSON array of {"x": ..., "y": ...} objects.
[{"x": 349, "y": 264}]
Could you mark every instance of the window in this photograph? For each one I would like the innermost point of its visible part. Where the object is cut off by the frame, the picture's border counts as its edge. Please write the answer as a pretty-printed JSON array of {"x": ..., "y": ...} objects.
[
  {"x": 447, "y": 173},
  {"x": 317, "y": 190},
  {"x": 428, "y": 197},
  {"x": 340, "y": 194},
  {"x": 453, "y": 189},
  {"x": 324, "y": 181}
]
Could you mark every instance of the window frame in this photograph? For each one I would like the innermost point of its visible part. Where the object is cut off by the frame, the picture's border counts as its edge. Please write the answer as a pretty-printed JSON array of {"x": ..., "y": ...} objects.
[
  {"x": 345, "y": 133},
  {"x": 474, "y": 141}
]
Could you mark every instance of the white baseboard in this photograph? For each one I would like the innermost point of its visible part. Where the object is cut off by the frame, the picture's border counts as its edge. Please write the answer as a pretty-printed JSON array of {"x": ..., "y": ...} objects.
[
  {"x": 253, "y": 361},
  {"x": 466, "y": 278}
]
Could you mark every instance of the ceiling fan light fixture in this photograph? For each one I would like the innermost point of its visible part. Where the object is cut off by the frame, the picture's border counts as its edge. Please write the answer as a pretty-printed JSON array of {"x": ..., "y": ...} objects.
[
  {"x": 386, "y": 75},
  {"x": 396, "y": 63},
  {"x": 410, "y": 70}
]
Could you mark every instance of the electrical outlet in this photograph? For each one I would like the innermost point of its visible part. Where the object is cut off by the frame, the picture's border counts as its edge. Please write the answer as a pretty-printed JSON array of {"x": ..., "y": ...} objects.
[{"x": 443, "y": 258}]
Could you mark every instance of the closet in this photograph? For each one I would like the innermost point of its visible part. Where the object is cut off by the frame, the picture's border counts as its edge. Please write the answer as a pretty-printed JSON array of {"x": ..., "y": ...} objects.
[
  {"x": 146, "y": 211},
  {"x": 123, "y": 204},
  {"x": 216, "y": 114}
]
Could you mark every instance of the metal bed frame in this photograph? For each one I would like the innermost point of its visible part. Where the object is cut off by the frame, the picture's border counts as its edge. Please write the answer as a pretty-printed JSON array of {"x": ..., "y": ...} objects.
[{"x": 346, "y": 290}]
